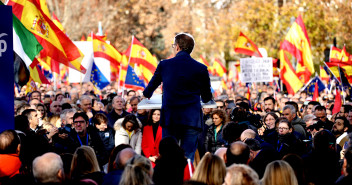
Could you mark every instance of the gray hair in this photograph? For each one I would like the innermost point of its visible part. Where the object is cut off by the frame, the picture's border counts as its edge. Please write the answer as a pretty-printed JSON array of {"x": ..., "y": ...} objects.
[
  {"x": 85, "y": 97},
  {"x": 123, "y": 100},
  {"x": 65, "y": 112},
  {"x": 291, "y": 107},
  {"x": 47, "y": 167},
  {"x": 308, "y": 117}
]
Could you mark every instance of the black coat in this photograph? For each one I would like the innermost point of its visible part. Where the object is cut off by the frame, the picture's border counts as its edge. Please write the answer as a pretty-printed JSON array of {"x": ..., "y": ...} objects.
[{"x": 211, "y": 145}]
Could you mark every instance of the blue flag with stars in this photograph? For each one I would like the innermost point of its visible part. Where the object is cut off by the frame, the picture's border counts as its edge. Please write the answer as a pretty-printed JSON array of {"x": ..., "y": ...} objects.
[
  {"x": 97, "y": 78},
  {"x": 344, "y": 82},
  {"x": 132, "y": 80},
  {"x": 310, "y": 87}
]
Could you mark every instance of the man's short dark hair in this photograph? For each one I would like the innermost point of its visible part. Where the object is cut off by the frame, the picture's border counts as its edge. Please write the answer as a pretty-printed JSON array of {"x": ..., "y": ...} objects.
[
  {"x": 253, "y": 144},
  {"x": 346, "y": 123},
  {"x": 320, "y": 108},
  {"x": 9, "y": 142},
  {"x": 185, "y": 42},
  {"x": 347, "y": 108},
  {"x": 314, "y": 103},
  {"x": 81, "y": 114},
  {"x": 28, "y": 112},
  {"x": 128, "y": 92},
  {"x": 237, "y": 152},
  {"x": 270, "y": 98},
  {"x": 135, "y": 98}
]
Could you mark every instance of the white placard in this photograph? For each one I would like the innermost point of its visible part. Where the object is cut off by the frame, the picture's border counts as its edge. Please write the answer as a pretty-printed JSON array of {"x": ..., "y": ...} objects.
[{"x": 256, "y": 70}]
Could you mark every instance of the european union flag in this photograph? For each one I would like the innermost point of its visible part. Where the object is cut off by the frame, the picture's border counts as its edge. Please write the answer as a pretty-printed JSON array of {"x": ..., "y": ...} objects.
[
  {"x": 132, "y": 80},
  {"x": 97, "y": 78},
  {"x": 310, "y": 87},
  {"x": 332, "y": 77}
]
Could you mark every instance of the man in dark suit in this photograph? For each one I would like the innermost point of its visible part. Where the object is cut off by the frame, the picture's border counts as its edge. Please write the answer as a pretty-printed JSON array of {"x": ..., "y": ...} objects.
[{"x": 184, "y": 81}]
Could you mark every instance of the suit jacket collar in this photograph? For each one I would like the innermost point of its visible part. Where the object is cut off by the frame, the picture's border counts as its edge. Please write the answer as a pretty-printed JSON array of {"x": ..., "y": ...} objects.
[{"x": 181, "y": 53}]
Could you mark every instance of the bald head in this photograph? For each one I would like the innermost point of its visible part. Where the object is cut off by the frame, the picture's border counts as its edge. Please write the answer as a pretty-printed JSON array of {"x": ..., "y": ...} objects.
[
  {"x": 237, "y": 152},
  {"x": 48, "y": 168},
  {"x": 123, "y": 156},
  {"x": 221, "y": 152},
  {"x": 248, "y": 134}
]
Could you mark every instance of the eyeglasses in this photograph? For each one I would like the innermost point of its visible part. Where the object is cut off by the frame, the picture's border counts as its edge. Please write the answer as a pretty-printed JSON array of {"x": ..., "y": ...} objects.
[
  {"x": 282, "y": 128},
  {"x": 81, "y": 122},
  {"x": 220, "y": 107},
  {"x": 173, "y": 45},
  {"x": 270, "y": 119}
]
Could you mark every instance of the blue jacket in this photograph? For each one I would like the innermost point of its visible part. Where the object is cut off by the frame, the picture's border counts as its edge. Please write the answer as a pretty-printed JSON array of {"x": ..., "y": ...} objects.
[{"x": 184, "y": 81}]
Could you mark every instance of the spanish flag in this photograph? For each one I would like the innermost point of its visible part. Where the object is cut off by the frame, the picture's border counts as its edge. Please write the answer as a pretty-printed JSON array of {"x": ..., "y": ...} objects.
[
  {"x": 246, "y": 46},
  {"x": 123, "y": 71},
  {"x": 219, "y": 68},
  {"x": 297, "y": 43},
  {"x": 288, "y": 74},
  {"x": 107, "y": 54},
  {"x": 344, "y": 55},
  {"x": 206, "y": 63},
  {"x": 335, "y": 54},
  {"x": 55, "y": 43},
  {"x": 58, "y": 23},
  {"x": 141, "y": 56}
]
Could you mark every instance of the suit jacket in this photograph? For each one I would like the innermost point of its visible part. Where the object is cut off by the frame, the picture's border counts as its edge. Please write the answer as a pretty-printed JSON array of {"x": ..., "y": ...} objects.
[{"x": 184, "y": 81}]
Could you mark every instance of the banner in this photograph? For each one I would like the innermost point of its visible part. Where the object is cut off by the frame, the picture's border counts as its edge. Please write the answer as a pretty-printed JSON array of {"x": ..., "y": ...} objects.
[
  {"x": 6, "y": 75},
  {"x": 256, "y": 70}
]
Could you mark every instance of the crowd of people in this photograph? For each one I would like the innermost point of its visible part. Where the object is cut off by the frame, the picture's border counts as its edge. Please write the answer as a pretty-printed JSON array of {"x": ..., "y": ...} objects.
[{"x": 77, "y": 136}]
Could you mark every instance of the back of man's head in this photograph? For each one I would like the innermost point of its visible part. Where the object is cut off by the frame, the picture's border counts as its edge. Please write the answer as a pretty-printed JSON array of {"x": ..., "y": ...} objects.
[
  {"x": 48, "y": 168},
  {"x": 9, "y": 142},
  {"x": 185, "y": 41},
  {"x": 123, "y": 156},
  {"x": 238, "y": 152}
]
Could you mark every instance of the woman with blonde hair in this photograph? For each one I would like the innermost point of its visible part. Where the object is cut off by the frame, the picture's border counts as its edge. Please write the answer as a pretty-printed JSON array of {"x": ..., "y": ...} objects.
[
  {"x": 211, "y": 170},
  {"x": 85, "y": 166},
  {"x": 279, "y": 172},
  {"x": 138, "y": 171}
]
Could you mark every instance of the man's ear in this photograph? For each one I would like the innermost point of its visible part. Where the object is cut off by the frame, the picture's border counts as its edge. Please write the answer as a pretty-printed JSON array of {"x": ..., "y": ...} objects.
[
  {"x": 18, "y": 149},
  {"x": 345, "y": 129},
  {"x": 225, "y": 158},
  {"x": 61, "y": 175}
]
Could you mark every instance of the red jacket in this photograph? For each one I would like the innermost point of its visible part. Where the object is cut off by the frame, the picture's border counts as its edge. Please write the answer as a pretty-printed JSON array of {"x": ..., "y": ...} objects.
[
  {"x": 150, "y": 147},
  {"x": 9, "y": 165}
]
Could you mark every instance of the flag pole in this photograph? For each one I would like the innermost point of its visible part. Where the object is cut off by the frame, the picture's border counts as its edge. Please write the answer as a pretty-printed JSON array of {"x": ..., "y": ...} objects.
[{"x": 129, "y": 59}]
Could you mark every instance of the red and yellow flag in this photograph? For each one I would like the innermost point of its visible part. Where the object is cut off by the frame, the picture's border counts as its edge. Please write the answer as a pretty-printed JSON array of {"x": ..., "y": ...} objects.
[
  {"x": 123, "y": 71},
  {"x": 246, "y": 46},
  {"x": 108, "y": 52},
  {"x": 344, "y": 55},
  {"x": 218, "y": 68},
  {"x": 323, "y": 75},
  {"x": 36, "y": 74},
  {"x": 56, "y": 44},
  {"x": 297, "y": 43},
  {"x": 288, "y": 74},
  {"x": 141, "y": 56},
  {"x": 335, "y": 54},
  {"x": 58, "y": 23}
]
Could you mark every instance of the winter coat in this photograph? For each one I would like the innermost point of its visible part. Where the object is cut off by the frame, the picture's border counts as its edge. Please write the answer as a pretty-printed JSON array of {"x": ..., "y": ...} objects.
[{"x": 121, "y": 136}]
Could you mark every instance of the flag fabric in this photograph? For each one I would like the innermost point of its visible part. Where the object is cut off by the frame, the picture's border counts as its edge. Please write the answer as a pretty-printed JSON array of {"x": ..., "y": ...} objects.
[
  {"x": 218, "y": 68},
  {"x": 297, "y": 43},
  {"x": 106, "y": 54},
  {"x": 27, "y": 48},
  {"x": 55, "y": 43},
  {"x": 31, "y": 86},
  {"x": 123, "y": 71},
  {"x": 323, "y": 75},
  {"x": 338, "y": 103},
  {"x": 310, "y": 87},
  {"x": 288, "y": 74},
  {"x": 245, "y": 46},
  {"x": 206, "y": 63},
  {"x": 333, "y": 66},
  {"x": 335, "y": 54},
  {"x": 344, "y": 55},
  {"x": 98, "y": 78},
  {"x": 132, "y": 81},
  {"x": 346, "y": 86},
  {"x": 58, "y": 23},
  {"x": 248, "y": 94},
  {"x": 316, "y": 92},
  {"x": 223, "y": 84},
  {"x": 141, "y": 56}
]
